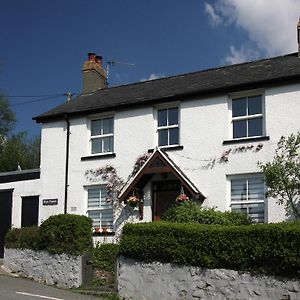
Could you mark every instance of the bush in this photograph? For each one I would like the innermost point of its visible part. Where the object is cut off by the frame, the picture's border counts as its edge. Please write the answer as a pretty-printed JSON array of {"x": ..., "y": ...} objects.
[
  {"x": 22, "y": 238},
  {"x": 69, "y": 234},
  {"x": 264, "y": 248},
  {"x": 104, "y": 256},
  {"x": 192, "y": 212},
  {"x": 104, "y": 259}
]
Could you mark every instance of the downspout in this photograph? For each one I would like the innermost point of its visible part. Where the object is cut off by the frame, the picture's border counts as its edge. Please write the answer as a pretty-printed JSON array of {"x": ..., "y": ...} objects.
[{"x": 67, "y": 164}]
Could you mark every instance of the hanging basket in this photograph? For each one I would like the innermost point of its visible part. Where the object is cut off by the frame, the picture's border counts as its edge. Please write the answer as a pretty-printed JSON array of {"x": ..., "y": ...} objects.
[{"x": 133, "y": 201}]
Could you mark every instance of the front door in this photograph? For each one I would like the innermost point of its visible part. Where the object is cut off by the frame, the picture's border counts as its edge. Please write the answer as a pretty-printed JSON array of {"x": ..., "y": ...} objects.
[
  {"x": 164, "y": 196},
  {"x": 30, "y": 211},
  {"x": 5, "y": 216}
]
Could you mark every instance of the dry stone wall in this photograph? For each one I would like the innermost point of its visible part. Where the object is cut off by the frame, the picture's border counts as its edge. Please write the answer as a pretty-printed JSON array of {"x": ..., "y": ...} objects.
[
  {"x": 145, "y": 281},
  {"x": 60, "y": 269}
]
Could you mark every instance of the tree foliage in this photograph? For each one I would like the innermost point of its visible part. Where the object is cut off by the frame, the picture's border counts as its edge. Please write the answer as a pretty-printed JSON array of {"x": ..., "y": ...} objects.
[
  {"x": 15, "y": 149},
  {"x": 282, "y": 175},
  {"x": 7, "y": 119}
]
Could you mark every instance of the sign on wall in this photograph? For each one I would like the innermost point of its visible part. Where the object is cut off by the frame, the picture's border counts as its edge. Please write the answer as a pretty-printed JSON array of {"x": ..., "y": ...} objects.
[{"x": 50, "y": 201}]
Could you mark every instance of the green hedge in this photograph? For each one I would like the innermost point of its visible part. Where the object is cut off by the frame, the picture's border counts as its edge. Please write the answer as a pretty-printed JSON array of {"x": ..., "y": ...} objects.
[
  {"x": 192, "y": 212},
  {"x": 23, "y": 238},
  {"x": 69, "y": 234},
  {"x": 264, "y": 248}
]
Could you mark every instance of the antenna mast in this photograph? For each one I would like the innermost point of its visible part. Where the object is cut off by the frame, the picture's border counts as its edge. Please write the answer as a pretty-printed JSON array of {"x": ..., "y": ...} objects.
[{"x": 111, "y": 63}]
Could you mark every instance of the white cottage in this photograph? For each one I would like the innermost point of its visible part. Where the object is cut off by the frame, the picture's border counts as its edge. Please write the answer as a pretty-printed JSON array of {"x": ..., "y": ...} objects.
[{"x": 200, "y": 133}]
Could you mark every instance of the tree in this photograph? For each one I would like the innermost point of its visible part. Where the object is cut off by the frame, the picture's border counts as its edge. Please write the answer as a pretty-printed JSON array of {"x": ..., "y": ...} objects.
[
  {"x": 282, "y": 175},
  {"x": 15, "y": 149},
  {"x": 18, "y": 150},
  {"x": 7, "y": 119}
]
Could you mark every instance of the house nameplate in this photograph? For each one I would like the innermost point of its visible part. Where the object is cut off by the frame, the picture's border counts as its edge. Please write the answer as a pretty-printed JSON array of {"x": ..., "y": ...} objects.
[{"x": 50, "y": 201}]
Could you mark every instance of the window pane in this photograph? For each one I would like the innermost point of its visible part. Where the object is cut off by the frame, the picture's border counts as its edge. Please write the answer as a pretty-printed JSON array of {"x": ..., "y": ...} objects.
[
  {"x": 242, "y": 208},
  {"x": 173, "y": 116},
  {"x": 162, "y": 117},
  {"x": 239, "y": 129},
  {"x": 96, "y": 145},
  {"x": 108, "y": 144},
  {"x": 255, "y": 127},
  {"x": 107, "y": 218},
  {"x": 174, "y": 136},
  {"x": 256, "y": 212},
  {"x": 163, "y": 137},
  {"x": 93, "y": 198},
  {"x": 96, "y": 127},
  {"x": 254, "y": 105},
  {"x": 95, "y": 216},
  {"x": 238, "y": 189},
  {"x": 239, "y": 107},
  {"x": 256, "y": 189},
  {"x": 108, "y": 125}
]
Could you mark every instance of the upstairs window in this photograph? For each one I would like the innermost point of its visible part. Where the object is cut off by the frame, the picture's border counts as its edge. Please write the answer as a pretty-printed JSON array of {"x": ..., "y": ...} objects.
[
  {"x": 168, "y": 126},
  {"x": 102, "y": 135},
  {"x": 247, "y": 117},
  {"x": 248, "y": 196},
  {"x": 99, "y": 209}
]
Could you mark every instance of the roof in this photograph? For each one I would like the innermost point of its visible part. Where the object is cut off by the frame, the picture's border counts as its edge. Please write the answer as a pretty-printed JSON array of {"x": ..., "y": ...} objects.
[
  {"x": 19, "y": 175},
  {"x": 224, "y": 79},
  {"x": 150, "y": 167}
]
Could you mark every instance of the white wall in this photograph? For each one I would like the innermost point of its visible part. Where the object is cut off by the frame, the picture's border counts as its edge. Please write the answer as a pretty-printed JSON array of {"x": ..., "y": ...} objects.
[
  {"x": 21, "y": 189},
  {"x": 204, "y": 125}
]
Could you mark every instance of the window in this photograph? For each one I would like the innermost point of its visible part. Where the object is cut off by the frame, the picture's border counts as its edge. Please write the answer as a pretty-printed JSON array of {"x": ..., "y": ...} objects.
[
  {"x": 99, "y": 209},
  {"x": 102, "y": 135},
  {"x": 168, "y": 126},
  {"x": 248, "y": 196},
  {"x": 247, "y": 117}
]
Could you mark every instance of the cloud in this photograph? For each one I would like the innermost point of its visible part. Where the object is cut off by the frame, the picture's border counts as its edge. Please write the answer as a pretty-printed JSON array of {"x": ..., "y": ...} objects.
[
  {"x": 153, "y": 77},
  {"x": 214, "y": 18},
  {"x": 237, "y": 56},
  {"x": 270, "y": 25}
]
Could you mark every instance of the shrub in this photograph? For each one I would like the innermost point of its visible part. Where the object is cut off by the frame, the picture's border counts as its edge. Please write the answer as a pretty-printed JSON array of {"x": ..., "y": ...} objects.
[
  {"x": 190, "y": 211},
  {"x": 22, "y": 238},
  {"x": 104, "y": 256},
  {"x": 69, "y": 234},
  {"x": 104, "y": 259},
  {"x": 265, "y": 248}
]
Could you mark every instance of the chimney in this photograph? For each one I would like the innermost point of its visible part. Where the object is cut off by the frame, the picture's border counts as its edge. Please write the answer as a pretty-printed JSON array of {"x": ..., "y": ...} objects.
[
  {"x": 94, "y": 76},
  {"x": 298, "y": 37}
]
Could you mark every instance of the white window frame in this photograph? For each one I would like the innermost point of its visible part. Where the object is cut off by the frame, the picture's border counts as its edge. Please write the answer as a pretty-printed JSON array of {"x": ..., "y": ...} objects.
[
  {"x": 158, "y": 128},
  {"x": 247, "y": 94},
  {"x": 99, "y": 208},
  {"x": 248, "y": 202},
  {"x": 92, "y": 137}
]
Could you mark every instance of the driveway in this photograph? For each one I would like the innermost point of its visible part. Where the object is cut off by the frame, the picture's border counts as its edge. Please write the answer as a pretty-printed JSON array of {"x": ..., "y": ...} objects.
[{"x": 24, "y": 289}]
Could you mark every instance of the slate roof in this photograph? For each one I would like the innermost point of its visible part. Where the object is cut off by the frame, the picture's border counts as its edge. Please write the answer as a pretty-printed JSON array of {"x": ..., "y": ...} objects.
[{"x": 212, "y": 81}]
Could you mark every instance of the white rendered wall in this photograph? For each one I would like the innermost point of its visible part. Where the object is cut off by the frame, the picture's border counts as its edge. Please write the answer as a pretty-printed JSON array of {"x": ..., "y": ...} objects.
[
  {"x": 21, "y": 189},
  {"x": 204, "y": 125}
]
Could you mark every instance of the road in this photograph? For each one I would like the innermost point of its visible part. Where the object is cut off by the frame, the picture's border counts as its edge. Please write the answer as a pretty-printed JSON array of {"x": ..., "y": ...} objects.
[{"x": 24, "y": 289}]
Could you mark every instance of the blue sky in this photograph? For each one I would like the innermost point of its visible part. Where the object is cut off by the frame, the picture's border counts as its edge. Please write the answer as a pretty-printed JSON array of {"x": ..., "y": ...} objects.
[{"x": 44, "y": 43}]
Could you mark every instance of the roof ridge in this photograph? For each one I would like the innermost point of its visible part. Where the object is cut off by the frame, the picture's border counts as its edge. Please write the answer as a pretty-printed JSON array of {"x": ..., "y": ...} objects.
[{"x": 190, "y": 73}]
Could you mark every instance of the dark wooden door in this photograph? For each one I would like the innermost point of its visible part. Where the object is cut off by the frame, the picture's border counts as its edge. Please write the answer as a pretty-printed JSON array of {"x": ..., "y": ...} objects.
[
  {"x": 5, "y": 216},
  {"x": 30, "y": 211},
  {"x": 164, "y": 196}
]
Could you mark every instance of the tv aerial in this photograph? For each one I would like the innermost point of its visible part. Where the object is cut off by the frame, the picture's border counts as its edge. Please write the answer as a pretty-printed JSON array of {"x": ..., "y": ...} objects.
[{"x": 112, "y": 63}]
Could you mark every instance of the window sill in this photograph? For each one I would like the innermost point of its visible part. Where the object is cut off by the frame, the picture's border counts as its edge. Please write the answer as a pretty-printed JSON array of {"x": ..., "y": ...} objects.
[
  {"x": 169, "y": 148},
  {"x": 98, "y": 156},
  {"x": 103, "y": 233},
  {"x": 245, "y": 140}
]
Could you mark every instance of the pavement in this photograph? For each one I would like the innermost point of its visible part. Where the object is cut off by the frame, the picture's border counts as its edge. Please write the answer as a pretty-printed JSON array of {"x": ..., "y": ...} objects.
[{"x": 13, "y": 288}]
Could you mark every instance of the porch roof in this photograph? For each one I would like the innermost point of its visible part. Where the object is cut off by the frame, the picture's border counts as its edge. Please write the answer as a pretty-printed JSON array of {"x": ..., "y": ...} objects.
[{"x": 158, "y": 163}]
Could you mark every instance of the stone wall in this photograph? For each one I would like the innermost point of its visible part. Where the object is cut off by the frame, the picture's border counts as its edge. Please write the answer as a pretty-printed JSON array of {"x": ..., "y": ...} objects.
[
  {"x": 143, "y": 281},
  {"x": 60, "y": 269}
]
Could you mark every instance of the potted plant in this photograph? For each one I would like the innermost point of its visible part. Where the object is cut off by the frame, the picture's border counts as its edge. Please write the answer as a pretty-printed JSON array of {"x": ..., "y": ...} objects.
[
  {"x": 182, "y": 198},
  {"x": 133, "y": 201}
]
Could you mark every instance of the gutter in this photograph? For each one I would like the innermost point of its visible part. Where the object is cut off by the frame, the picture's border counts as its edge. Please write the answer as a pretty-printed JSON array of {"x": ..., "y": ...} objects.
[{"x": 67, "y": 163}]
